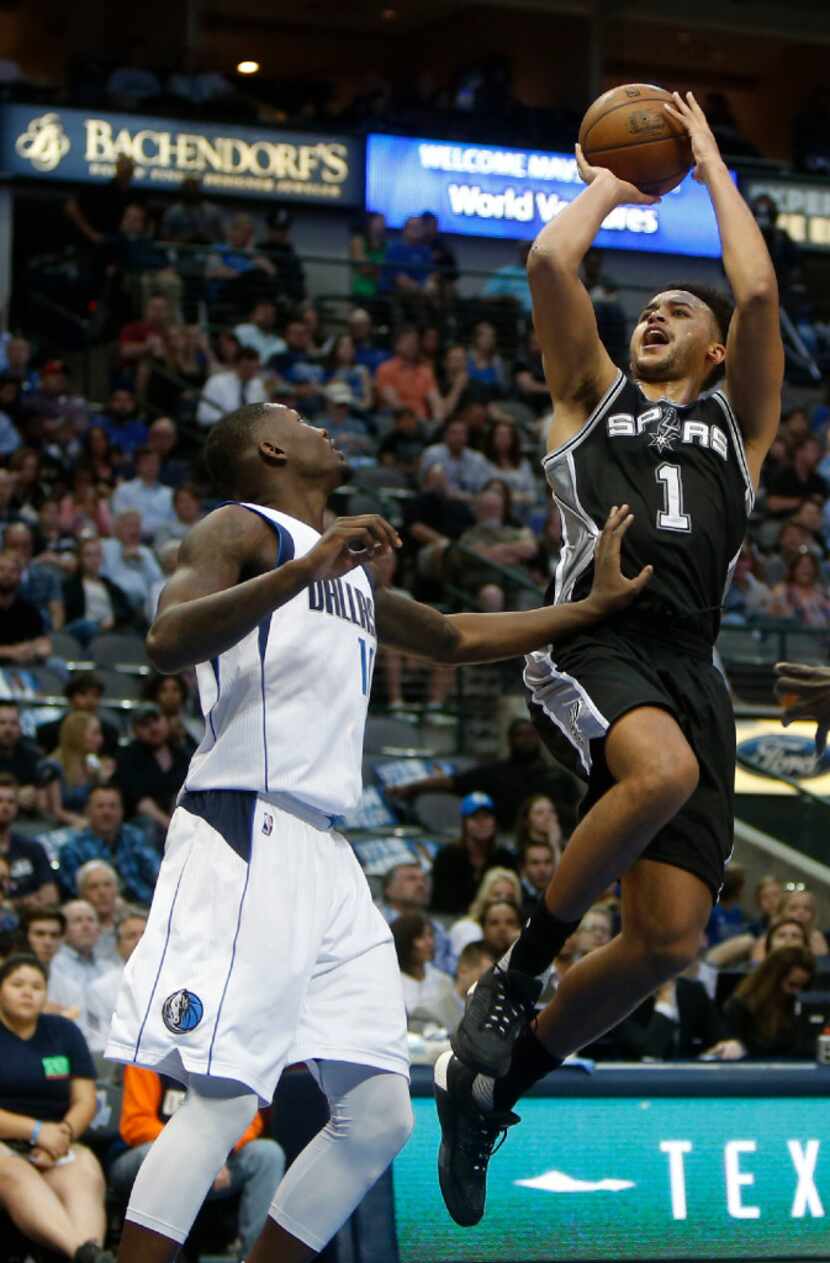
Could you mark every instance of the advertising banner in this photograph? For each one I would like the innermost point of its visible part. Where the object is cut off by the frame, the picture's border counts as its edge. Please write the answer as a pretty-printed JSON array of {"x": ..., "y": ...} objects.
[
  {"x": 666, "y": 1178},
  {"x": 804, "y": 207},
  {"x": 81, "y": 147},
  {"x": 492, "y": 191}
]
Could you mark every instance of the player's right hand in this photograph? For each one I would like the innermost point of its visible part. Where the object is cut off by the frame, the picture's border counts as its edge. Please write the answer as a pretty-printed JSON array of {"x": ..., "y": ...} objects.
[
  {"x": 351, "y": 542},
  {"x": 611, "y": 590},
  {"x": 804, "y": 692},
  {"x": 626, "y": 194}
]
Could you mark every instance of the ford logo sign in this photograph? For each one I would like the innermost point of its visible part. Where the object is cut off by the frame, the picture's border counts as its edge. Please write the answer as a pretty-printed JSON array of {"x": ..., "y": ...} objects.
[{"x": 783, "y": 754}]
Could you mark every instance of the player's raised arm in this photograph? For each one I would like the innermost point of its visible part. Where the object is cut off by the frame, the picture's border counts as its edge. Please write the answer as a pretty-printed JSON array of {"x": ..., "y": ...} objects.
[
  {"x": 467, "y": 638},
  {"x": 205, "y": 609},
  {"x": 754, "y": 351},
  {"x": 577, "y": 366}
]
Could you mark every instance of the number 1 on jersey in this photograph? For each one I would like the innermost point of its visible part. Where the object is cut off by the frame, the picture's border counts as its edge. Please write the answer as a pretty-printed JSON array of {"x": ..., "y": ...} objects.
[
  {"x": 672, "y": 517},
  {"x": 367, "y": 657}
]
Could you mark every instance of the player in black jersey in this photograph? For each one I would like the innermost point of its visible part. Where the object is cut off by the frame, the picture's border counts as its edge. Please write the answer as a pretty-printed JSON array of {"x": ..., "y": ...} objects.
[{"x": 637, "y": 701}]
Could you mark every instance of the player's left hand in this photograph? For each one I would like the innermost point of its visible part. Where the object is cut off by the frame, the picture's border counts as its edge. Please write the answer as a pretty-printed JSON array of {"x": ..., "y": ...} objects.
[
  {"x": 705, "y": 148},
  {"x": 611, "y": 590},
  {"x": 804, "y": 692}
]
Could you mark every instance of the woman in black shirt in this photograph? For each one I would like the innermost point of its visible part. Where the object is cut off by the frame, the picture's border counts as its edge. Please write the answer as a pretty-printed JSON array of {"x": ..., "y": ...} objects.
[
  {"x": 50, "y": 1186},
  {"x": 763, "y": 1018}
]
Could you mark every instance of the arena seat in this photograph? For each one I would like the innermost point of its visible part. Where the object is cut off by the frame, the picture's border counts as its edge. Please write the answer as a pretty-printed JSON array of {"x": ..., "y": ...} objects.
[
  {"x": 440, "y": 813},
  {"x": 384, "y": 733},
  {"x": 66, "y": 646},
  {"x": 114, "y": 648}
]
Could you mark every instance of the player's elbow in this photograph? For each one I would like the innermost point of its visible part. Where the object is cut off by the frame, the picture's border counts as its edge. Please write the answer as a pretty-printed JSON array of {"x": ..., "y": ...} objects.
[
  {"x": 545, "y": 261},
  {"x": 447, "y": 646},
  {"x": 160, "y": 644},
  {"x": 760, "y": 292}
]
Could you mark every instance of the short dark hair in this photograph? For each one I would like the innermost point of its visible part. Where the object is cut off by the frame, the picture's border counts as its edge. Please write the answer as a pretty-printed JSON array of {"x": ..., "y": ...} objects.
[
  {"x": 17, "y": 961},
  {"x": 720, "y": 305},
  {"x": 227, "y": 439},
  {"x": 105, "y": 789},
  {"x": 51, "y": 913},
  {"x": 475, "y": 953},
  {"x": 248, "y": 353},
  {"x": 83, "y": 682}
]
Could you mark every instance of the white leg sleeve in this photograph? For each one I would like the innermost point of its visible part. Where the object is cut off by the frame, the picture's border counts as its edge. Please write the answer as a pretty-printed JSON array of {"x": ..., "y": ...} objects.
[
  {"x": 371, "y": 1120},
  {"x": 183, "y": 1162}
]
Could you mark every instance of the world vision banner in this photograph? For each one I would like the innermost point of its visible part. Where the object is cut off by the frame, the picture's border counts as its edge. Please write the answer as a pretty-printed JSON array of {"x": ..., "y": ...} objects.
[{"x": 81, "y": 147}]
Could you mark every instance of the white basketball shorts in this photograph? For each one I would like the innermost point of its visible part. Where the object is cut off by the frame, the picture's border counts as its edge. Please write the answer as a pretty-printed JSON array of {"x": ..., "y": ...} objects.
[{"x": 263, "y": 948}]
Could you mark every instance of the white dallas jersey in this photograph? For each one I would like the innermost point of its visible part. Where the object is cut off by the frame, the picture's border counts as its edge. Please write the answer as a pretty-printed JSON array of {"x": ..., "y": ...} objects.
[{"x": 285, "y": 707}]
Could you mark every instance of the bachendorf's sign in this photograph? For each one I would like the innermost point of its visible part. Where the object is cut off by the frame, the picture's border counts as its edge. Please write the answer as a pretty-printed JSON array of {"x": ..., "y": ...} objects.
[{"x": 79, "y": 147}]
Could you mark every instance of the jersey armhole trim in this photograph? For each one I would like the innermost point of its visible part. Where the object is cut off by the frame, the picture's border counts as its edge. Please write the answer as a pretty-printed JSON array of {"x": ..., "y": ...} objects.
[
  {"x": 738, "y": 440},
  {"x": 590, "y": 421},
  {"x": 285, "y": 540}
]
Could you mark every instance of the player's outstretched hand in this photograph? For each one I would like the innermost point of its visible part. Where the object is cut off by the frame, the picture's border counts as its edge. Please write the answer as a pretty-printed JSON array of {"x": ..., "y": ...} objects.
[
  {"x": 705, "y": 149},
  {"x": 351, "y": 542},
  {"x": 611, "y": 590},
  {"x": 627, "y": 194},
  {"x": 804, "y": 692}
]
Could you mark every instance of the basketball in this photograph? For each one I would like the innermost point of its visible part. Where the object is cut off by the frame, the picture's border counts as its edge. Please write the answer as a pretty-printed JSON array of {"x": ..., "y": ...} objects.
[{"x": 628, "y": 131}]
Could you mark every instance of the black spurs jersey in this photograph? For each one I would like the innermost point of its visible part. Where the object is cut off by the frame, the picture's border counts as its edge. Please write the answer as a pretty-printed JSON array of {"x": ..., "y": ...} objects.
[{"x": 682, "y": 469}]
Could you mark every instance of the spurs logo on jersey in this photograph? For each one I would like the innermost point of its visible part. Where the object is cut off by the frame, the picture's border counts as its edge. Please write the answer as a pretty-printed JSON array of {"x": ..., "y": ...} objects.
[{"x": 683, "y": 470}]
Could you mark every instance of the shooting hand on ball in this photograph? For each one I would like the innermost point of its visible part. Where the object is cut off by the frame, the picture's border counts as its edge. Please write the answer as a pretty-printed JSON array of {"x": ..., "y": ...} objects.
[
  {"x": 704, "y": 146},
  {"x": 627, "y": 194}
]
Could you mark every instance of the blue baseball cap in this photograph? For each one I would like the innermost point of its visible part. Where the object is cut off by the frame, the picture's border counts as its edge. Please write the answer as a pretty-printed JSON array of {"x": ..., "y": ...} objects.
[{"x": 477, "y": 801}]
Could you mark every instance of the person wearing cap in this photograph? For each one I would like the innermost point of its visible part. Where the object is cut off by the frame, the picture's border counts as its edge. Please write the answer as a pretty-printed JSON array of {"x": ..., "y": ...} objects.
[
  {"x": 460, "y": 866},
  {"x": 151, "y": 770},
  {"x": 278, "y": 249},
  {"x": 346, "y": 431},
  {"x": 106, "y": 837},
  {"x": 232, "y": 388},
  {"x": 53, "y": 401}
]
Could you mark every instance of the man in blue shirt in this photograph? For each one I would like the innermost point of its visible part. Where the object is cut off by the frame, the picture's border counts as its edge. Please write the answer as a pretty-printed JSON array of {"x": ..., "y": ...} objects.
[
  {"x": 32, "y": 881},
  {"x": 106, "y": 837},
  {"x": 125, "y": 429},
  {"x": 408, "y": 261}
]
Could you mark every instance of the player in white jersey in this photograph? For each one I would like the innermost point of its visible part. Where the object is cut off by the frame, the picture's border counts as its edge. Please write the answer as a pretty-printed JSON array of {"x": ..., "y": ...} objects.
[{"x": 263, "y": 946}]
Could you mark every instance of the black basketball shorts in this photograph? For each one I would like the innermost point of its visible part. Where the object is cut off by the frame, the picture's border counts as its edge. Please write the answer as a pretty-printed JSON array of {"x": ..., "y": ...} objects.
[{"x": 585, "y": 685}]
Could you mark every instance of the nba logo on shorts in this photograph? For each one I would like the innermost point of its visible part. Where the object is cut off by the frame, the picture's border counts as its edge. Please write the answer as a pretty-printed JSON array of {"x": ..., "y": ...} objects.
[
  {"x": 267, "y": 824},
  {"x": 182, "y": 1011}
]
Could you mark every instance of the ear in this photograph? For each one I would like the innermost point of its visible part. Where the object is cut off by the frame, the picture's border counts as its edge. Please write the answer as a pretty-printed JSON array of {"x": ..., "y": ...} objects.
[
  {"x": 271, "y": 454},
  {"x": 715, "y": 354}
]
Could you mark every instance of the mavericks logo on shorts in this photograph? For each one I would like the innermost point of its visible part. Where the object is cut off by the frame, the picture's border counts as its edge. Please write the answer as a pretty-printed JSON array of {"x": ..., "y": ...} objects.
[{"x": 182, "y": 1011}]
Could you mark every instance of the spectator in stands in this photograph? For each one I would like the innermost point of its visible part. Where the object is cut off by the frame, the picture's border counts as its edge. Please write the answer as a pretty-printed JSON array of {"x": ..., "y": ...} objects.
[
  {"x": 31, "y": 879},
  {"x": 494, "y": 537},
  {"x": 444, "y": 267},
  {"x": 677, "y": 1024},
  {"x": 43, "y": 931},
  {"x": 252, "y": 1170},
  {"x": 367, "y": 251},
  {"x": 85, "y": 509},
  {"x": 501, "y": 925},
  {"x": 510, "y": 281},
  {"x": 19, "y": 364},
  {"x": 20, "y": 757},
  {"x": 39, "y": 584},
  {"x": 176, "y": 383},
  {"x": 144, "y": 269},
  {"x": 502, "y": 449},
  {"x": 192, "y": 220},
  {"x": 799, "y": 482},
  {"x": 484, "y": 364},
  {"x": 810, "y": 517},
  {"x": 298, "y": 374},
  {"x": 225, "y": 349},
  {"x": 97, "y": 210},
  {"x": 507, "y": 781},
  {"x": 728, "y": 917},
  {"x": 10, "y": 439},
  {"x": 538, "y": 861},
  {"x": 107, "y": 837},
  {"x": 474, "y": 960},
  {"x": 145, "y": 340},
  {"x": 782, "y": 249},
  {"x": 366, "y": 352},
  {"x": 232, "y": 388},
  {"x": 346, "y": 431},
  {"x": 529, "y": 377},
  {"x": 259, "y": 331},
  {"x": 163, "y": 439},
  {"x": 151, "y": 769},
  {"x": 187, "y": 510},
  {"x": 596, "y": 929},
  {"x": 793, "y": 542},
  {"x": 403, "y": 446},
  {"x": 80, "y": 765},
  {"x": 768, "y": 896},
  {"x": 432, "y": 519},
  {"x": 47, "y": 1100},
  {"x": 8, "y": 508},
  {"x": 24, "y": 639},
  {"x": 802, "y": 597},
  {"x": 279, "y": 251},
  {"x": 341, "y": 366},
  {"x": 783, "y": 932},
  {"x": 78, "y": 961},
  {"x": 128, "y": 563},
  {"x": 97, "y": 883},
  {"x": 427, "y": 991},
  {"x": 168, "y": 559},
  {"x": 465, "y": 471},
  {"x": 30, "y": 487},
  {"x": 404, "y": 381},
  {"x": 122, "y": 423},
  {"x": 800, "y": 904},
  {"x": 498, "y": 885},
  {"x": 84, "y": 692},
  {"x": 408, "y": 264},
  {"x": 235, "y": 270},
  {"x": 406, "y": 889},
  {"x": 94, "y": 604},
  {"x": 763, "y": 1017},
  {"x": 170, "y": 693},
  {"x": 52, "y": 401},
  {"x": 102, "y": 994},
  {"x": 459, "y": 866},
  {"x": 101, "y": 456},
  {"x": 748, "y": 596},
  {"x": 9, "y": 918},
  {"x": 146, "y": 495},
  {"x": 455, "y": 386},
  {"x": 439, "y": 678}
]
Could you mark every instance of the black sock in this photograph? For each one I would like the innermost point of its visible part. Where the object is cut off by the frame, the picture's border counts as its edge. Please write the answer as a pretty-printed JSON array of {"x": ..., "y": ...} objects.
[
  {"x": 530, "y": 1062},
  {"x": 540, "y": 941}
]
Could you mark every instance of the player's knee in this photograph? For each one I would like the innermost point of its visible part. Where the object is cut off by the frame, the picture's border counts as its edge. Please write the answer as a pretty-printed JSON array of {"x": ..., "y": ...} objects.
[
  {"x": 375, "y": 1139},
  {"x": 670, "y": 780},
  {"x": 669, "y": 949}
]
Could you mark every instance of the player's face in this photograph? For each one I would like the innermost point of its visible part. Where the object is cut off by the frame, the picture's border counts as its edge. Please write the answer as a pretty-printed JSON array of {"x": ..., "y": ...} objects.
[
  {"x": 310, "y": 452},
  {"x": 671, "y": 338}
]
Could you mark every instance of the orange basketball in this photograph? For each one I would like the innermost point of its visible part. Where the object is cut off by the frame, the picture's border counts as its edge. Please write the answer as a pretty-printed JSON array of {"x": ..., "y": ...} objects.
[{"x": 628, "y": 131}]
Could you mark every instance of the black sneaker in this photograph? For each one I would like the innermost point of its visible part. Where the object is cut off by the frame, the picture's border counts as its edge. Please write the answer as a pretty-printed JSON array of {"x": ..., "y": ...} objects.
[
  {"x": 469, "y": 1138},
  {"x": 91, "y": 1252},
  {"x": 499, "y": 1008}
]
